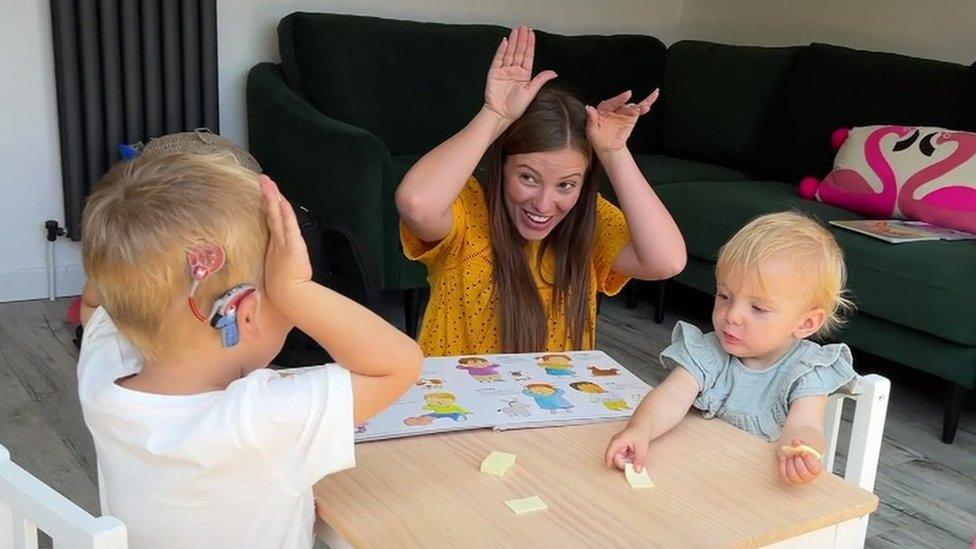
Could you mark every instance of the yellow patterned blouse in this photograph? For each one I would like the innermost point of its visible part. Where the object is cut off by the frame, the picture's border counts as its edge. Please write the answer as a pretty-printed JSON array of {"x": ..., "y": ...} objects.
[{"x": 461, "y": 315}]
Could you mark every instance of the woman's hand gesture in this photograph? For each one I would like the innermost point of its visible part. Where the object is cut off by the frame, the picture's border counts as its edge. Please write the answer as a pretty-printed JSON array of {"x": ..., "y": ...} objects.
[
  {"x": 510, "y": 87},
  {"x": 609, "y": 124}
]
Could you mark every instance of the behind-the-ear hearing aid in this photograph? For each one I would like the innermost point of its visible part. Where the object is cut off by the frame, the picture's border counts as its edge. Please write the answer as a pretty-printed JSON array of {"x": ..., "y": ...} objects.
[
  {"x": 205, "y": 259},
  {"x": 223, "y": 316}
]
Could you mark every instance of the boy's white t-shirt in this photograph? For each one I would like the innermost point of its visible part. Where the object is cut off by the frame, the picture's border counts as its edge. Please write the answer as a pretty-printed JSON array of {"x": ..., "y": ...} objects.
[{"x": 231, "y": 468}]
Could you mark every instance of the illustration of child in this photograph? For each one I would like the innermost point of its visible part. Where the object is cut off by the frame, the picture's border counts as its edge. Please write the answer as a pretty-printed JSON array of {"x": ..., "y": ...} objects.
[
  {"x": 548, "y": 397},
  {"x": 556, "y": 365},
  {"x": 610, "y": 401},
  {"x": 480, "y": 369}
]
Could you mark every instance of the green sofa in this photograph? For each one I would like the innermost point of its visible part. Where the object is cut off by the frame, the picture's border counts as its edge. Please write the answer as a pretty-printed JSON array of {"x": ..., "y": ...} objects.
[{"x": 356, "y": 100}]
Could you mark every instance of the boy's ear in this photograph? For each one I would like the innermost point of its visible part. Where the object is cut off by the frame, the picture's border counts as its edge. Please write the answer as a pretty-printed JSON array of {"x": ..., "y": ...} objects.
[
  {"x": 247, "y": 315},
  {"x": 811, "y": 323}
]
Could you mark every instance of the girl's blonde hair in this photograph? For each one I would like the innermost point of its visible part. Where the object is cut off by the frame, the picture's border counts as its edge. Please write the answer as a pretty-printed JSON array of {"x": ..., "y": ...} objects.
[
  {"x": 143, "y": 218},
  {"x": 805, "y": 241}
]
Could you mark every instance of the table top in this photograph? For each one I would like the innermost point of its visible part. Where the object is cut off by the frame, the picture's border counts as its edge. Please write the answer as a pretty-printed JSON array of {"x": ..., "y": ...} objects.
[{"x": 715, "y": 486}]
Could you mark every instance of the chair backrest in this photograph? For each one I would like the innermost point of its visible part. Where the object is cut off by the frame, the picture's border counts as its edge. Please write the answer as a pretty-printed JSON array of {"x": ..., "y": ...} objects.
[
  {"x": 27, "y": 504},
  {"x": 867, "y": 428}
]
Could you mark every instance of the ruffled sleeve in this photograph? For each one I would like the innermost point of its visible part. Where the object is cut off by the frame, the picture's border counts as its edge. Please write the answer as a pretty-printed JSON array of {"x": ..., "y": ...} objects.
[
  {"x": 703, "y": 357},
  {"x": 822, "y": 370}
]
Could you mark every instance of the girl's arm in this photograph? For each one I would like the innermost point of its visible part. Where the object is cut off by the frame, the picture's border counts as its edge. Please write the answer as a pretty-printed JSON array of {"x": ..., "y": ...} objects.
[
  {"x": 658, "y": 413},
  {"x": 804, "y": 425},
  {"x": 656, "y": 249},
  {"x": 425, "y": 195}
]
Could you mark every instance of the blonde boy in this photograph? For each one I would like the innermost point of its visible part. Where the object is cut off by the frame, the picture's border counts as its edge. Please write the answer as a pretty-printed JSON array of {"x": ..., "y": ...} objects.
[{"x": 198, "y": 444}]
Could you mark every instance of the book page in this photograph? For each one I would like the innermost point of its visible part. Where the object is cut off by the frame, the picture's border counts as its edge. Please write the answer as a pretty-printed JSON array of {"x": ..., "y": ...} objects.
[{"x": 507, "y": 391}]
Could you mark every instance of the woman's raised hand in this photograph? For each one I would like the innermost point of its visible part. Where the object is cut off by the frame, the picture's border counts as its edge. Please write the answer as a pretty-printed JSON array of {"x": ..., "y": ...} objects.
[
  {"x": 609, "y": 124},
  {"x": 510, "y": 87}
]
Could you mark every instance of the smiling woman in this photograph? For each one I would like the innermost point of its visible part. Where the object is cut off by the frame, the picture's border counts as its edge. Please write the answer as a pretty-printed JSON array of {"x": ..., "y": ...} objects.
[{"x": 515, "y": 261}]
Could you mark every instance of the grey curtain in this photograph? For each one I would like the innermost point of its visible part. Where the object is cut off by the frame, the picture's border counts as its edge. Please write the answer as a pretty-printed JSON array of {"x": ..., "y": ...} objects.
[{"x": 128, "y": 71}]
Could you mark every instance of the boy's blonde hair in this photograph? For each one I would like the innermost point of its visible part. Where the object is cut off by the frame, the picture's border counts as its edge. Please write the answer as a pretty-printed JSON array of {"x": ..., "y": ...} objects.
[
  {"x": 806, "y": 242},
  {"x": 143, "y": 218}
]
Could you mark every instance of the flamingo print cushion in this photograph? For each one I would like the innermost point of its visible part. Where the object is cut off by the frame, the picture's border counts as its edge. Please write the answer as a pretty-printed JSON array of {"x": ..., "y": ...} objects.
[{"x": 902, "y": 172}]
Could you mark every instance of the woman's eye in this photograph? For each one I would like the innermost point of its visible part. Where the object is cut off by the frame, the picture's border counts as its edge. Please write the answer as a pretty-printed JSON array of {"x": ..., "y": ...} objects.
[
  {"x": 527, "y": 178},
  {"x": 759, "y": 309},
  {"x": 567, "y": 185},
  {"x": 723, "y": 297}
]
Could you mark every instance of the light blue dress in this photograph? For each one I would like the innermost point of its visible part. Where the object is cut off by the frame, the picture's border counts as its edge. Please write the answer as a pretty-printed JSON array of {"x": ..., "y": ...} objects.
[{"x": 758, "y": 401}]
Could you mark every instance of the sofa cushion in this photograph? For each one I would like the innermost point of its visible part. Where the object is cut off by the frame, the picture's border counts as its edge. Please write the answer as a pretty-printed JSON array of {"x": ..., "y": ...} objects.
[
  {"x": 415, "y": 84},
  {"x": 661, "y": 169},
  {"x": 718, "y": 97},
  {"x": 830, "y": 87},
  {"x": 927, "y": 286},
  {"x": 879, "y": 171},
  {"x": 599, "y": 67}
]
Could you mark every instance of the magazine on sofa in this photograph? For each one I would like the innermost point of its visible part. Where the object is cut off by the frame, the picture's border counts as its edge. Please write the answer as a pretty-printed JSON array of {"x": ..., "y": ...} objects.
[{"x": 897, "y": 231}]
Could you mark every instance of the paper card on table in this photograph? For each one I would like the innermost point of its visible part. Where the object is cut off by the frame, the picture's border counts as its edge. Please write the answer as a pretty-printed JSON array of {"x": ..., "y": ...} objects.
[
  {"x": 637, "y": 480},
  {"x": 526, "y": 505},
  {"x": 498, "y": 463}
]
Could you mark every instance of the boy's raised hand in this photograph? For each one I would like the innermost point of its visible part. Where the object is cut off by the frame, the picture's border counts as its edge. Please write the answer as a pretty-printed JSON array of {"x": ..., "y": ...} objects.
[
  {"x": 287, "y": 266},
  {"x": 609, "y": 124},
  {"x": 510, "y": 87}
]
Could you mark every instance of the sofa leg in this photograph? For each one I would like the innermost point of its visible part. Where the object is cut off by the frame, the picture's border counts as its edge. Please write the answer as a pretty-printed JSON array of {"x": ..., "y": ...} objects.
[
  {"x": 953, "y": 410},
  {"x": 659, "y": 301},
  {"x": 411, "y": 310},
  {"x": 630, "y": 293}
]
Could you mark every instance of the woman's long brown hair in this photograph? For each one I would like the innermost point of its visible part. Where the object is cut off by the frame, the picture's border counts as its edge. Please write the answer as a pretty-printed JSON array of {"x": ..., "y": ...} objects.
[{"x": 554, "y": 120}]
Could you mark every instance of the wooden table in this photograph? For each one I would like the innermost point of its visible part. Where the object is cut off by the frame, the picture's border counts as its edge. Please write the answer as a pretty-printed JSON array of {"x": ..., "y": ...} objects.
[{"x": 717, "y": 486}]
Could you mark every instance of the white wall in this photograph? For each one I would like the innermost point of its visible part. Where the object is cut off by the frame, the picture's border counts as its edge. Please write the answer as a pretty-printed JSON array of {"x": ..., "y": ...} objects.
[
  {"x": 247, "y": 29},
  {"x": 935, "y": 29},
  {"x": 30, "y": 182}
]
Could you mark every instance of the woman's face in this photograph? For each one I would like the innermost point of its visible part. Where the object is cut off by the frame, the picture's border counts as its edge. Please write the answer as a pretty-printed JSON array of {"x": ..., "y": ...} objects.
[{"x": 541, "y": 188}]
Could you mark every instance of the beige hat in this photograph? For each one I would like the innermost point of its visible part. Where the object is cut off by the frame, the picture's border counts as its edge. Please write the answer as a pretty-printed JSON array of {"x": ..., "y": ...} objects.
[{"x": 200, "y": 141}]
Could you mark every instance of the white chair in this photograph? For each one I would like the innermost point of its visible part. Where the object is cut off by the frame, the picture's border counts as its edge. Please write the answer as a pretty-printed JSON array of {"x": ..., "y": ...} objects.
[
  {"x": 863, "y": 451},
  {"x": 27, "y": 504}
]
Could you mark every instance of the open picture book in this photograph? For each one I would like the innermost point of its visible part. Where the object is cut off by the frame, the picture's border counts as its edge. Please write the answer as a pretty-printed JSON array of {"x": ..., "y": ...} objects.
[{"x": 509, "y": 391}]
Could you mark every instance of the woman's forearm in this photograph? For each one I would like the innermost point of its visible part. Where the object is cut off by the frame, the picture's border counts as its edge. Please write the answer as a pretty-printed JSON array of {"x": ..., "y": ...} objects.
[
  {"x": 425, "y": 195},
  {"x": 657, "y": 245}
]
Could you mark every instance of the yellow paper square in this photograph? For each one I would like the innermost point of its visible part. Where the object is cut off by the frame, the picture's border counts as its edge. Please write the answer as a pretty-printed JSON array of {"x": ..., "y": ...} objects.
[
  {"x": 802, "y": 449},
  {"x": 527, "y": 505},
  {"x": 498, "y": 463},
  {"x": 637, "y": 480}
]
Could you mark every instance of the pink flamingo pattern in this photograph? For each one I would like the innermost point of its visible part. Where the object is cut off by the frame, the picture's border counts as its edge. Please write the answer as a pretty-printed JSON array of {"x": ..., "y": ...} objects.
[
  {"x": 848, "y": 189},
  {"x": 952, "y": 206}
]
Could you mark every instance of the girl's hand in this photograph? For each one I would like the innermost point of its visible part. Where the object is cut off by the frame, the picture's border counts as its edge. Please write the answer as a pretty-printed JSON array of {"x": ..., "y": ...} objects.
[
  {"x": 798, "y": 468},
  {"x": 286, "y": 266},
  {"x": 627, "y": 446},
  {"x": 608, "y": 126},
  {"x": 510, "y": 87}
]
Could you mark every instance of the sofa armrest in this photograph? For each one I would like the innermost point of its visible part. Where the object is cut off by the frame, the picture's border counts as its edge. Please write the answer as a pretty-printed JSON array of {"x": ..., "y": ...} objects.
[{"x": 342, "y": 173}]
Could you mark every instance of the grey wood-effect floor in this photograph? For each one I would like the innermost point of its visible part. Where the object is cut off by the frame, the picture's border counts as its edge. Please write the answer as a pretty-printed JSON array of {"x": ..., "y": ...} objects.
[{"x": 927, "y": 489}]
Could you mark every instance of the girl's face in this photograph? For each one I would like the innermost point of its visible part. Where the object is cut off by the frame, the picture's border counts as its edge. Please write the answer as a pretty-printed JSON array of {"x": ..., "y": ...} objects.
[
  {"x": 540, "y": 188},
  {"x": 757, "y": 321}
]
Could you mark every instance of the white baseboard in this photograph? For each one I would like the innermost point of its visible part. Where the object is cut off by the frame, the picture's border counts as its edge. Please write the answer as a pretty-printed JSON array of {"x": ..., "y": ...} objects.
[{"x": 32, "y": 283}]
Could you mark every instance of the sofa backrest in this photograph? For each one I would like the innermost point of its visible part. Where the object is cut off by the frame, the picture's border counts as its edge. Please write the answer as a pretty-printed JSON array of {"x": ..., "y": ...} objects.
[
  {"x": 717, "y": 99},
  {"x": 415, "y": 84},
  {"x": 831, "y": 87}
]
